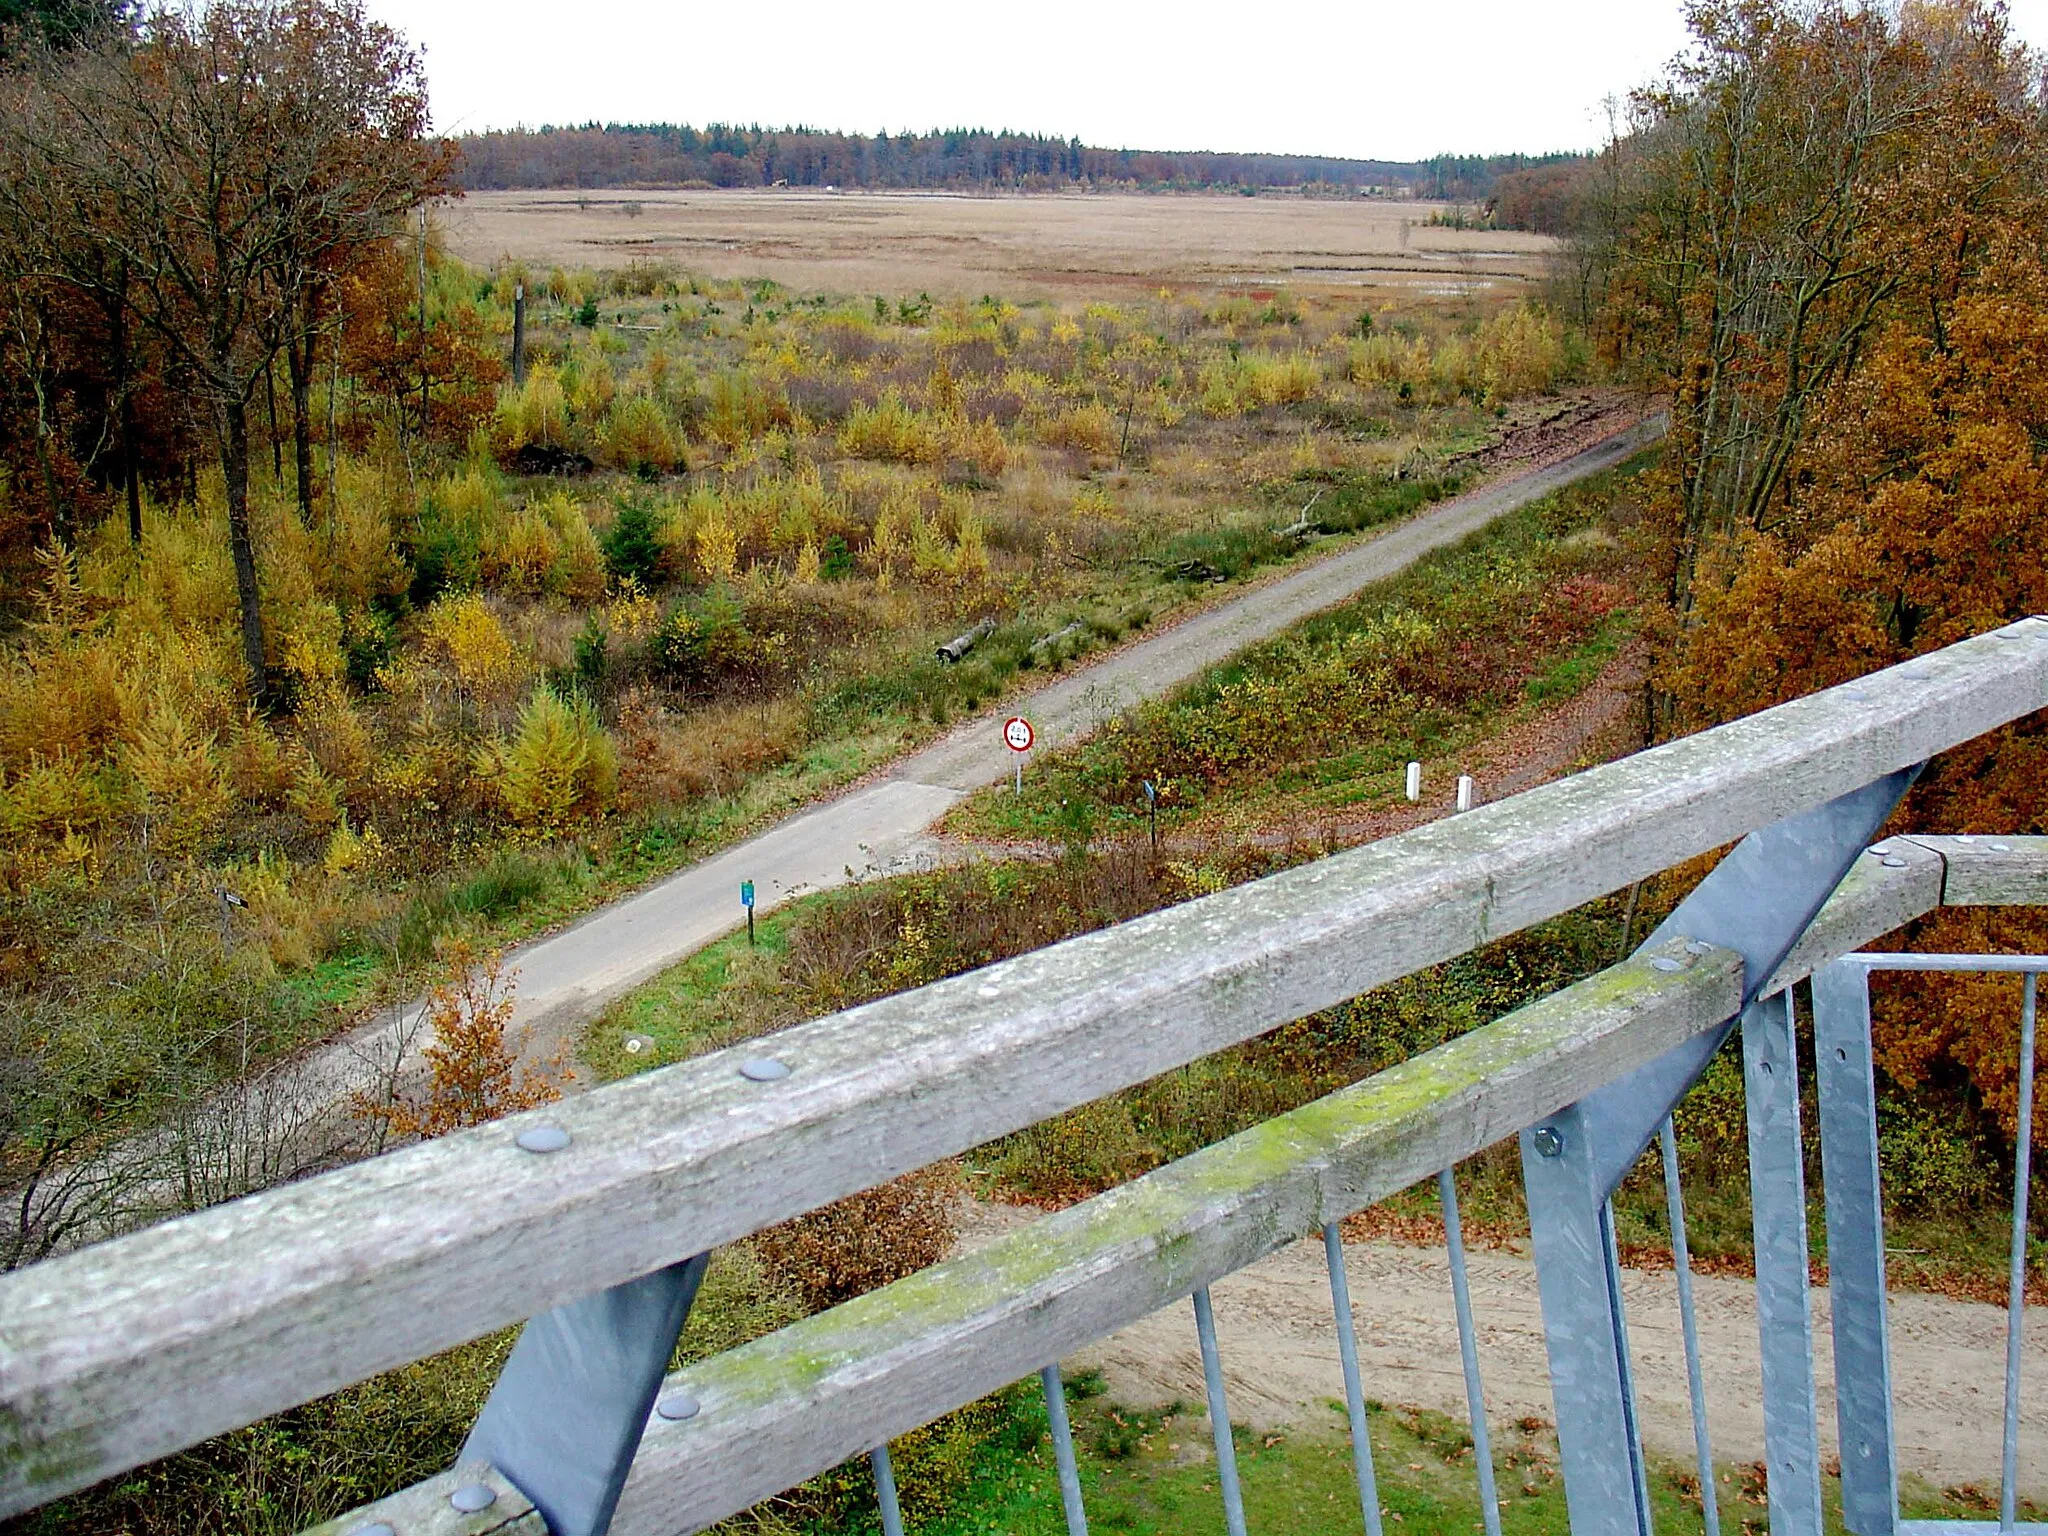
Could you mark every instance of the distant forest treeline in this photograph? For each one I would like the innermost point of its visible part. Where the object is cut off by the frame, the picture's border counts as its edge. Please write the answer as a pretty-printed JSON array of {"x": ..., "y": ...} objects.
[{"x": 668, "y": 155}]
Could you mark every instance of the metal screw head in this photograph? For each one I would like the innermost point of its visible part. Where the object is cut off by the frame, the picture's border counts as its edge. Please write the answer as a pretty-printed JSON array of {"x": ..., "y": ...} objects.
[
  {"x": 471, "y": 1497},
  {"x": 1894, "y": 862},
  {"x": 1548, "y": 1140},
  {"x": 1665, "y": 963},
  {"x": 1697, "y": 947},
  {"x": 676, "y": 1407},
  {"x": 763, "y": 1069},
  {"x": 541, "y": 1138},
  {"x": 2001, "y": 847},
  {"x": 1879, "y": 851}
]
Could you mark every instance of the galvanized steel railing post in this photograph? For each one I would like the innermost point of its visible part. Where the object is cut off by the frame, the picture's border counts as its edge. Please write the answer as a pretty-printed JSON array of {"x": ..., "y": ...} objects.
[
  {"x": 1689, "y": 1327},
  {"x": 1063, "y": 1450},
  {"x": 1598, "y": 1445},
  {"x": 2023, "y": 1159},
  {"x": 1849, "y": 1170},
  {"x": 1468, "y": 1350},
  {"x": 1219, "y": 1416},
  {"x": 1777, "y": 1184},
  {"x": 1757, "y": 901},
  {"x": 1354, "y": 1386}
]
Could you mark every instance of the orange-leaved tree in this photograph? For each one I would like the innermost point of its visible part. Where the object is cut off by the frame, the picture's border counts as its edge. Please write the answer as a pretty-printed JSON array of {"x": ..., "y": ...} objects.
[{"x": 473, "y": 1075}]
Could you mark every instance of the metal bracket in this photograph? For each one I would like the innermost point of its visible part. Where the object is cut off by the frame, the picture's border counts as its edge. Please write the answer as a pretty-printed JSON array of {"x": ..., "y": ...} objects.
[{"x": 564, "y": 1420}]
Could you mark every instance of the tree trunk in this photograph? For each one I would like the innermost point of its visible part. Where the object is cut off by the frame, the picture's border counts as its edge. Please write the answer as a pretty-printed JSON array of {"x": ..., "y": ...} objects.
[
  {"x": 124, "y": 393},
  {"x": 234, "y": 465},
  {"x": 298, "y": 354}
]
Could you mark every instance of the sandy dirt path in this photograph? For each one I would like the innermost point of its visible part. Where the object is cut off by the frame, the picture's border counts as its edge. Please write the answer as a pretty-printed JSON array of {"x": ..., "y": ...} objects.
[
  {"x": 1279, "y": 1351},
  {"x": 883, "y": 825}
]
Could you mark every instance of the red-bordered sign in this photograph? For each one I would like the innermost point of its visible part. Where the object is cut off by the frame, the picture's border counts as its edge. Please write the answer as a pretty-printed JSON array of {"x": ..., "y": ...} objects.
[{"x": 1017, "y": 734}]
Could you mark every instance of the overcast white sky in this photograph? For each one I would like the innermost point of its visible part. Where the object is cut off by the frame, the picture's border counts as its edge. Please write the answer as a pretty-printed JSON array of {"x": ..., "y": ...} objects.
[{"x": 1393, "y": 79}]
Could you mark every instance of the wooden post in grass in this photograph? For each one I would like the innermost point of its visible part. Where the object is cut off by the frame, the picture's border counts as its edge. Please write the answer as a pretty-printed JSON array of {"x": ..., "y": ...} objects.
[{"x": 519, "y": 334}]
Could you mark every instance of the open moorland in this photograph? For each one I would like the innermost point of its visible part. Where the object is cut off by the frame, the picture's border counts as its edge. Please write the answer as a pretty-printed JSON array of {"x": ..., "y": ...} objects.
[{"x": 1042, "y": 246}]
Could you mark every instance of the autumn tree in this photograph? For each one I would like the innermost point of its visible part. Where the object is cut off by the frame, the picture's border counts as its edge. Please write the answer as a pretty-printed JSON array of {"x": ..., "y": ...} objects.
[
  {"x": 226, "y": 163},
  {"x": 473, "y": 1075},
  {"x": 1831, "y": 248}
]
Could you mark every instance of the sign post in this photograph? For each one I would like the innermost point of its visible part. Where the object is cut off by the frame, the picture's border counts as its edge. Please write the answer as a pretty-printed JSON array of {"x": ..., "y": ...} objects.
[
  {"x": 1018, "y": 736},
  {"x": 1152, "y": 811},
  {"x": 747, "y": 901}
]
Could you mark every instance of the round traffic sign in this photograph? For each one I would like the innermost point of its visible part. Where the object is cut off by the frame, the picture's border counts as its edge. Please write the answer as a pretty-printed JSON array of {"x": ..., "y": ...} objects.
[{"x": 1017, "y": 734}]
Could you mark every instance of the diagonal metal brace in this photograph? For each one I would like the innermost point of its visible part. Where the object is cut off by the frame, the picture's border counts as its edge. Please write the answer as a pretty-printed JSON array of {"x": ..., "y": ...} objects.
[
  {"x": 564, "y": 1420},
  {"x": 1758, "y": 901}
]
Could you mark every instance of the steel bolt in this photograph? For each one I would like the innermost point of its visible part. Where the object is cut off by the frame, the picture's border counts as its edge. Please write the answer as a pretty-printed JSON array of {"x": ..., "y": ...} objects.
[
  {"x": 1549, "y": 1141},
  {"x": 763, "y": 1069},
  {"x": 1665, "y": 963},
  {"x": 471, "y": 1497},
  {"x": 1697, "y": 947},
  {"x": 677, "y": 1406},
  {"x": 1894, "y": 862},
  {"x": 2001, "y": 847},
  {"x": 541, "y": 1138}
]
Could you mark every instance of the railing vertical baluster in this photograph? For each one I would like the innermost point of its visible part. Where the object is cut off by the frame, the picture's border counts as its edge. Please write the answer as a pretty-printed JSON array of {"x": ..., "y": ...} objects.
[
  {"x": 1468, "y": 1349},
  {"x": 1688, "y": 1320},
  {"x": 885, "y": 1491},
  {"x": 1219, "y": 1416},
  {"x": 1354, "y": 1387},
  {"x": 1063, "y": 1450},
  {"x": 1777, "y": 1184},
  {"x": 2008, "y": 1496},
  {"x": 1856, "y": 1278}
]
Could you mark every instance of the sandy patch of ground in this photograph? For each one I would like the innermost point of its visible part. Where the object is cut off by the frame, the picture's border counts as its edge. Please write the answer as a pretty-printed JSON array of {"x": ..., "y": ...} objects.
[
  {"x": 1278, "y": 1343},
  {"x": 1046, "y": 245}
]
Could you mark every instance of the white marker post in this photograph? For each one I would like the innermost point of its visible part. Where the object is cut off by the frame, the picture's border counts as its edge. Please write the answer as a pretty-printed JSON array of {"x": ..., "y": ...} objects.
[
  {"x": 1018, "y": 736},
  {"x": 1464, "y": 791},
  {"x": 1414, "y": 782}
]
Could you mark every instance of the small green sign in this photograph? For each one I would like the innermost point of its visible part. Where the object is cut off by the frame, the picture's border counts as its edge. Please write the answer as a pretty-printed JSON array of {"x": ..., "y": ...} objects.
[{"x": 747, "y": 893}]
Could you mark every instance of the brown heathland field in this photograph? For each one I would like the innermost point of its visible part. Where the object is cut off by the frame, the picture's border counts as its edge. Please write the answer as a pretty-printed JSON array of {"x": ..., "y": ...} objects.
[{"x": 1054, "y": 245}]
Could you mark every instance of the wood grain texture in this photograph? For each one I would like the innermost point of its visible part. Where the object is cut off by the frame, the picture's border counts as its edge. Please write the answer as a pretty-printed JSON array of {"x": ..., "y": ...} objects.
[
  {"x": 424, "y": 1508},
  {"x": 804, "y": 1399},
  {"x": 1991, "y": 871},
  {"x": 124, "y": 1352}
]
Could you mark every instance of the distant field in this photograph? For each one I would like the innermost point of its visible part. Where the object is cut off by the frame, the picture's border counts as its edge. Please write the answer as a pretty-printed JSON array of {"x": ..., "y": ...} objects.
[{"x": 1051, "y": 245}]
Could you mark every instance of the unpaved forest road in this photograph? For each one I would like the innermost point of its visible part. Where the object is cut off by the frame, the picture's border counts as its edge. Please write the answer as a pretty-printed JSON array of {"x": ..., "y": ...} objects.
[
  {"x": 1276, "y": 1336},
  {"x": 881, "y": 826}
]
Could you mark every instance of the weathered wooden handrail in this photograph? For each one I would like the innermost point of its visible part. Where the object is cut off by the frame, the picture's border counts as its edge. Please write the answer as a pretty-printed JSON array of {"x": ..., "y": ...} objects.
[
  {"x": 138, "y": 1347},
  {"x": 812, "y": 1395}
]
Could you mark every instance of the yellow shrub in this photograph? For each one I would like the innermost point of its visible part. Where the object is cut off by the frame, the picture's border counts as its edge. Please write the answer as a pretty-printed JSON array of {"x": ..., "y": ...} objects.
[
  {"x": 1288, "y": 378},
  {"x": 807, "y": 564},
  {"x": 256, "y": 762},
  {"x": 557, "y": 767},
  {"x": 1387, "y": 360},
  {"x": 537, "y": 412},
  {"x": 519, "y": 553},
  {"x": 980, "y": 443},
  {"x": 637, "y": 437},
  {"x": 463, "y": 633},
  {"x": 591, "y": 392},
  {"x": 1084, "y": 428},
  {"x": 182, "y": 786},
  {"x": 50, "y": 799},
  {"x": 1521, "y": 352},
  {"x": 579, "y": 569},
  {"x": 891, "y": 430},
  {"x": 718, "y": 546}
]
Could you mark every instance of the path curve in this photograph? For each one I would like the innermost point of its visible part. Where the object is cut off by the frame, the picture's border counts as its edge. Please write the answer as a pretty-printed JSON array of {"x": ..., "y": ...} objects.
[{"x": 882, "y": 826}]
